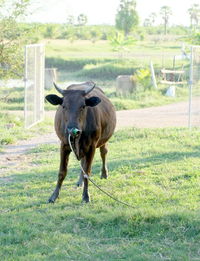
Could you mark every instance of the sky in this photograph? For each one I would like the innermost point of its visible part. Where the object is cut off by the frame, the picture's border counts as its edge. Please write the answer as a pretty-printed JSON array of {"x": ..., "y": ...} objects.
[{"x": 104, "y": 11}]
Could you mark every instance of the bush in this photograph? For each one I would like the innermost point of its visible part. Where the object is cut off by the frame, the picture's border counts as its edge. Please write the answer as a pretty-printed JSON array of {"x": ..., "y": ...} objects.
[
  {"x": 108, "y": 70},
  {"x": 143, "y": 78},
  {"x": 72, "y": 65}
]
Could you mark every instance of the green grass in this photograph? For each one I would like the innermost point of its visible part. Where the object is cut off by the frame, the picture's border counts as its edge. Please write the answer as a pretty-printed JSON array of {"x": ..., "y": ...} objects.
[
  {"x": 12, "y": 128},
  {"x": 86, "y": 49},
  {"x": 156, "y": 171},
  {"x": 68, "y": 56}
]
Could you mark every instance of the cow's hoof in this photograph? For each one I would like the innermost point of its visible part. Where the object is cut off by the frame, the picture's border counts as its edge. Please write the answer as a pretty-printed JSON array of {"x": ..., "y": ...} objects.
[
  {"x": 50, "y": 200},
  {"x": 86, "y": 199},
  {"x": 79, "y": 184},
  {"x": 104, "y": 176},
  {"x": 104, "y": 173},
  {"x": 54, "y": 196}
]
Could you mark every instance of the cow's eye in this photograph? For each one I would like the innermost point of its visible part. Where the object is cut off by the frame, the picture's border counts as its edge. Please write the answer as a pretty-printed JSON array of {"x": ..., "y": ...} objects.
[{"x": 83, "y": 107}]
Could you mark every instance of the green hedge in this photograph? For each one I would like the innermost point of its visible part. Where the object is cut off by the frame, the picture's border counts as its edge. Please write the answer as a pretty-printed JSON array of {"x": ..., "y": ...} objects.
[
  {"x": 108, "y": 70},
  {"x": 72, "y": 64}
]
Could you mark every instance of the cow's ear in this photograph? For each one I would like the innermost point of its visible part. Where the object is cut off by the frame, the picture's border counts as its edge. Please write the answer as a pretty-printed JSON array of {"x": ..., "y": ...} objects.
[
  {"x": 92, "y": 101},
  {"x": 54, "y": 99}
]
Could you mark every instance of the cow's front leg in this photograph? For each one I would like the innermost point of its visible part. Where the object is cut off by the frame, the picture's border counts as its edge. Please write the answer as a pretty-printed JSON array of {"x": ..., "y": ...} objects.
[
  {"x": 64, "y": 157},
  {"x": 87, "y": 168}
]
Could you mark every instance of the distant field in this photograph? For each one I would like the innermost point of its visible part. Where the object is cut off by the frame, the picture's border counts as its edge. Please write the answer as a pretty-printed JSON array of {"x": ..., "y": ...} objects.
[
  {"x": 155, "y": 171},
  {"x": 161, "y": 52},
  {"x": 103, "y": 49}
]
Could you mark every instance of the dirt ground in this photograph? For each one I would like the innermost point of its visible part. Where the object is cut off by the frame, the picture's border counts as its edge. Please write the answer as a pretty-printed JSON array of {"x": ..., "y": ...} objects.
[{"x": 172, "y": 115}]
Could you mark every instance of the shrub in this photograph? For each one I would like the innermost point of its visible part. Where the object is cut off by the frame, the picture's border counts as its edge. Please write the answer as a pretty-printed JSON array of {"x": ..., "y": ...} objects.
[
  {"x": 143, "y": 78},
  {"x": 72, "y": 64},
  {"x": 107, "y": 70}
]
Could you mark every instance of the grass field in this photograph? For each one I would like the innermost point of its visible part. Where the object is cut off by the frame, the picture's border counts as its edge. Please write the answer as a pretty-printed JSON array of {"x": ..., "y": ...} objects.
[
  {"x": 82, "y": 61},
  {"x": 103, "y": 49},
  {"x": 156, "y": 171},
  {"x": 140, "y": 53}
]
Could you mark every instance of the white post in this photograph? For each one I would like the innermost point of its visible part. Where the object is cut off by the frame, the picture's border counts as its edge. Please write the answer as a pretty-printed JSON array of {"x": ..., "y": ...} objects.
[
  {"x": 42, "y": 64},
  {"x": 25, "y": 87},
  {"x": 153, "y": 77},
  {"x": 190, "y": 88}
]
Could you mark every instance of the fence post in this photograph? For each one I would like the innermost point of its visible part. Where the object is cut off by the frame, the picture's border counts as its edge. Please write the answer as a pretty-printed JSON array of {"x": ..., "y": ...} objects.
[
  {"x": 190, "y": 88},
  {"x": 153, "y": 77}
]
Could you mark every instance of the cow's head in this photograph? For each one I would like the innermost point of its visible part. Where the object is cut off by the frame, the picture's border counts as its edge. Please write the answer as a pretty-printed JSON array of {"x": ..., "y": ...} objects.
[{"x": 74, "y": 106}]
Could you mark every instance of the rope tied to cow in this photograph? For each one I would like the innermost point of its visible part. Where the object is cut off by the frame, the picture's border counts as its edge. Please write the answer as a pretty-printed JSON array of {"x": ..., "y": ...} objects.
[{"x": 86, "y": 176}]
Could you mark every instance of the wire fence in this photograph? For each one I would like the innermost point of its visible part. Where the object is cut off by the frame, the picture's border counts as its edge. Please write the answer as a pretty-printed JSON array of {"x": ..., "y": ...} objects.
[{"x": 34, "y": 84}]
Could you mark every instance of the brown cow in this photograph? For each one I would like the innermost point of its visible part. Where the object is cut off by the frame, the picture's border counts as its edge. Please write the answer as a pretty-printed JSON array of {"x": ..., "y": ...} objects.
[{"x": 89, "y": 117}]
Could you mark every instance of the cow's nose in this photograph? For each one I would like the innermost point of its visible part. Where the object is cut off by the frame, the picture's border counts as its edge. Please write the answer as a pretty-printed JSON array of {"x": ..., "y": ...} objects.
[{"x": 74, "y": 132}]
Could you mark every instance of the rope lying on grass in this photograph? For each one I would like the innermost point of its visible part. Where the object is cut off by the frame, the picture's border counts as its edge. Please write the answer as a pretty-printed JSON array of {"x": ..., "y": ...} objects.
[{"x": 97, "y": 186}]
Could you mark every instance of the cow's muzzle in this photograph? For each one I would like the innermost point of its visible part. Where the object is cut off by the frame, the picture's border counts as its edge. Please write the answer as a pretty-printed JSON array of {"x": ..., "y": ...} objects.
[{"x": 74, "y": 132}]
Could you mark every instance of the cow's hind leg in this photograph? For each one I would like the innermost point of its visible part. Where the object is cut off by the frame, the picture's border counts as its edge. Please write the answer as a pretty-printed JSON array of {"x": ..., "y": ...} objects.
[
  {"x": 80, "y": 180},
  {"x": 87, "y": 164},
  {"x": 104, "y": 170},
  {"x": 64, "y": 157}
]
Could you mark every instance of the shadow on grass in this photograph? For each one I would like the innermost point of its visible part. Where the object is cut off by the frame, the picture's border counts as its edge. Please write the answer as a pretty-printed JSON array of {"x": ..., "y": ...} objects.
[
  {"x": 156, "y": 159},
  {"x": 73, "y": 172}
]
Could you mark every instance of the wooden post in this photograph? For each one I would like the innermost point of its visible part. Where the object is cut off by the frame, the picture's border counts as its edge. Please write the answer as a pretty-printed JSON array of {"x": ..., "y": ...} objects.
[{"x": 50, "y": 77}]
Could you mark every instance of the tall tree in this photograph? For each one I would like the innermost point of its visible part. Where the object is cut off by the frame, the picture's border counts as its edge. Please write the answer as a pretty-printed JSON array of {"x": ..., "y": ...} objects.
[
  {"x": 127, "y": 17},
  {"x": 152, "y": 18},
  {"x": 147, "y": 22},
  {"x": 82, "y": 19},
  {"x": 194, "y": 13},
  {"x": 165, "y": 12},
  {"x": 70, "y": 20},
  {"x": 12, "y": 36}
]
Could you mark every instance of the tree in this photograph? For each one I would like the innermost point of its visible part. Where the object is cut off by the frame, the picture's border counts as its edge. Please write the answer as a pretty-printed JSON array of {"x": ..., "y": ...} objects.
[
  {"x": 152, "y": 18},
  {"x": 70, "y": 20},
  {"x": 119, "y": 43},
  {"x": 165, "y": 12},
  {"x": 147, "y": 22},
  {"x": 13, "y": 36},
  {"x": 82, "y": 19},
  {"x": 51, "y": 31},
  {"x": 126, "y": 18},
  {"x": 194, "y": 13}
]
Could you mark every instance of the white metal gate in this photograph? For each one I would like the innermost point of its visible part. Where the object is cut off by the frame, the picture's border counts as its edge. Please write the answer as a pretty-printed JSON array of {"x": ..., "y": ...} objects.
[
  {"x": 34, "y": 84},
  {"x": 194, "y": 88}
]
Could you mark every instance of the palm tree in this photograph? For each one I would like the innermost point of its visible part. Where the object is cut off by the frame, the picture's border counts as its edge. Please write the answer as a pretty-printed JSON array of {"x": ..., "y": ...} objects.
[
  {"x": 152, "y": 18},
  {"x": 147, "y": 22},
  {"x": 194, "y": 13},
  {"x": 82, "y": 19},
  {"x": 165, "y": 12}
]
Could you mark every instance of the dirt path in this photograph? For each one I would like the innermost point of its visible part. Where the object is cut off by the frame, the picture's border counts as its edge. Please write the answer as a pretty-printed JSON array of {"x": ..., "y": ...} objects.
[{"x": 172, "y": 115}]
